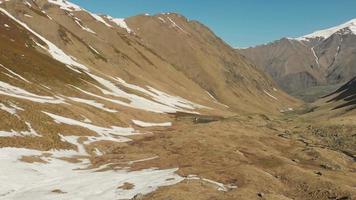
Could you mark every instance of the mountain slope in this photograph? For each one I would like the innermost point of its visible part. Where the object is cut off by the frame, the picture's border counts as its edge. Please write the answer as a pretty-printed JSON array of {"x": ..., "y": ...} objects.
[
  {"x": 341, "y": 102},
  {"x": 324, "y": 58},
  {"x": 78, "y": 89},
  {"x": 208, "y": 61}
]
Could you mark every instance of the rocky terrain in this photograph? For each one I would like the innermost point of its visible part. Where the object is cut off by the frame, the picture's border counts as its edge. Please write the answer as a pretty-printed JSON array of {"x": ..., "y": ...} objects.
[
  {"x": 154, "y": 107},
  {"x": 310, "y": 66}
]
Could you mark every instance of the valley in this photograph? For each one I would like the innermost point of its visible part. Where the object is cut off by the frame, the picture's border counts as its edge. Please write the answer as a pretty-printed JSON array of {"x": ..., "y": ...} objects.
[{"x": 159, "y": 107}]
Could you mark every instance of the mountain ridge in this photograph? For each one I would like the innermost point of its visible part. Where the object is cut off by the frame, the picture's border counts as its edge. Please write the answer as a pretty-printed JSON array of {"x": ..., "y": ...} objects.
[{"x": 321, "y": 59}]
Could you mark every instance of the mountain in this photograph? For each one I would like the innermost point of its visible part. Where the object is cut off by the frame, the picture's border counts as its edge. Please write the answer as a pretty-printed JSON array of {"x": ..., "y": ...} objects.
[
  {"x": 347, "y": 93},
  {"x": 147, "y": 107},
  {"x": 312, "y": 65},
  {"x": 337, "y": 114},
  {"x": 341, "y": 102},
  {"x": 77, "y": 87}
]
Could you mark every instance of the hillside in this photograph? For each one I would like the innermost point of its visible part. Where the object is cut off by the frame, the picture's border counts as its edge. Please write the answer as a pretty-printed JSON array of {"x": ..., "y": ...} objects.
[{"x": 147, "y": 107}]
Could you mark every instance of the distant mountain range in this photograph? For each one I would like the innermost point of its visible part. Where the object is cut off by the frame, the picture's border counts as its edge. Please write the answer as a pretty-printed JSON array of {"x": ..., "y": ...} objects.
[{"x": 312, "y": 65}]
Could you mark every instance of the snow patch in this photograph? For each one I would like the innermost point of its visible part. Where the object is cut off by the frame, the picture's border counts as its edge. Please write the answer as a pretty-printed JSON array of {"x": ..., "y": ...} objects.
[
  {"x": 162, "y": 20},
  {"x": 176, "y": 25},
  {"x": 12, "y": 108},
  {"x": 121, "y": 23},
  {"x": 80, "y": 24},
  {"x": 9, "y": 90},
  {"x": 92, "y": 103},
  {"x": 142, "y": 160},
  {"x": 113, "y": 133},
  {"x": 273, "y": 97},
  {"x": 7, "y": 109},
  {"x": 215, "y": 100},
  {"x": 219, "y": 186},
  {"x": 40, "y": 180},
  {"x": 149, "y": 124},
  {"x": 99, "y": 19},
  {"x": 65, "y": 5},
  {"x": 13, "y": 73},
  {"x": 161, "y": 103},
  {"x": 31, "y": 132},
  {"x": 315, "y": 56},
  {"x": 29, "y": 16},
  {"x": 53, "y": 50},
  {"x": 27, "y": 4},
  {"x": 93, "y": 49}
]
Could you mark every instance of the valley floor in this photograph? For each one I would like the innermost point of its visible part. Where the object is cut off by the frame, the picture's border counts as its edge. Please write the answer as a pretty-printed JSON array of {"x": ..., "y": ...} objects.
[
  {"x": 197, "y": 158},
  {"x": 252, "y": 157}
]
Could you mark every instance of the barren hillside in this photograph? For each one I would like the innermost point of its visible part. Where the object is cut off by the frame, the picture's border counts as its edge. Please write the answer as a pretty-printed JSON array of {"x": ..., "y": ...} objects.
[{"x": 148, "y": 107}]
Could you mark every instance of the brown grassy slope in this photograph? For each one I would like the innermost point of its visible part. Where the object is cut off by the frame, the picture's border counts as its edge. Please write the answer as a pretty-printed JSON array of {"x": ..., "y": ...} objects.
[
  {"x": 208, "y": 64},
  {"x": 207, "y": 60}
]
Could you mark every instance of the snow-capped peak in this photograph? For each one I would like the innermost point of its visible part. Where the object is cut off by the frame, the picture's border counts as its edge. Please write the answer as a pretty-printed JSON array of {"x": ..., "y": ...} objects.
[{"x": 326, "y": 33}]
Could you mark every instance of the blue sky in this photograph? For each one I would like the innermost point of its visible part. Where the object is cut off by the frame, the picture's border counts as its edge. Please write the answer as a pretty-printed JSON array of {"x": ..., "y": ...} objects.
[{"x": 241, "y": 23}]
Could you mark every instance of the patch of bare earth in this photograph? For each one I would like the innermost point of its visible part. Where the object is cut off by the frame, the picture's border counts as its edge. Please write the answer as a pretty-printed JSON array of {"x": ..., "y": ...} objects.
[{"x": 126, "y": 186}]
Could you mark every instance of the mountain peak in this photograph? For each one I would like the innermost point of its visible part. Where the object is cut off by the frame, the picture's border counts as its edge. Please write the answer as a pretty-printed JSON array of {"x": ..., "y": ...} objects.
[{"x": 349, "y": 26}]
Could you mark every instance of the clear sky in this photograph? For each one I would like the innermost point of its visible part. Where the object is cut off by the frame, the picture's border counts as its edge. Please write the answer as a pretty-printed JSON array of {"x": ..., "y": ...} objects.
[{"x": 241, "y": 23}]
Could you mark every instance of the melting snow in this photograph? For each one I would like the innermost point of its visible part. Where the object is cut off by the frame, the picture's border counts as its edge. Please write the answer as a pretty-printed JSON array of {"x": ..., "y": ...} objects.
[
  {"x": 27, "y": 3},
  {"x": 92, "y": 103},
  {"x": 176, "y": 25},
  {"x": 338, "y": 49},
  {"x": 162, "y": 20},
  {"x": 74, "y": 140},
  {"x": 100, "y": 19},
  {"x": 142, "y": 160},
  {"x": 163, "y": 103},
  {"x": 104, "y": 133},
  {"x": 219, "y": 186},
  {"x": 121, "y": 23},
  {"x": 12, "y": 108},
  {"x": 13, "y": 73},
  {"x": 31, "y": 132},
  {"x": 215, "y": 100},
  {"x": 92, "y": 48},
  {"x": 9, "y": 90},
  {"x": 53, "y": 50},
  {"x": 7, "y": 109},
  {"x": 161, "y": 97},
  {"x": 149, "y": 124},
  {"x": 40, "y": 181},
  {"x": 65, "y": 5},
  {"x": 273, "y": 97},
  {"x": 86, "y": 120},
  {"x": 315, "y": 56},
  {"x": 286, "y": 110},
  {"x": 79, "y": 23}
]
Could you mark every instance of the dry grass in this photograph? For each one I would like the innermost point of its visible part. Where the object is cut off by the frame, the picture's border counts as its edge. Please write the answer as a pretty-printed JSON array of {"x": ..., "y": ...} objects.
[
  {"x": 126, "y": 186},
  {"x": 254, "y": 158}
]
